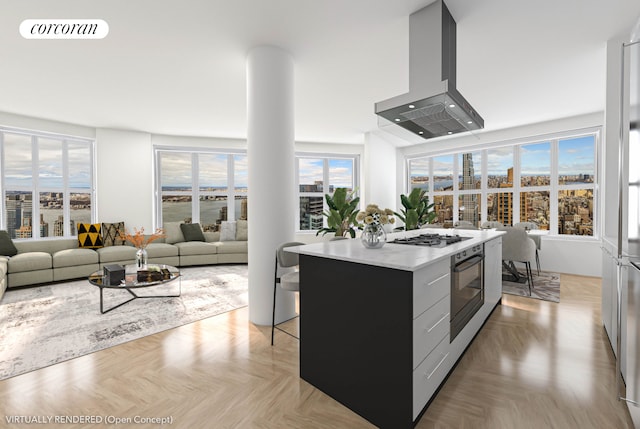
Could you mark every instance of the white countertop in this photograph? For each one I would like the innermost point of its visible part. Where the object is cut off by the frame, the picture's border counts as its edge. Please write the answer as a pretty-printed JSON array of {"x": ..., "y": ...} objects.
[{"x": 398, "y": 256}]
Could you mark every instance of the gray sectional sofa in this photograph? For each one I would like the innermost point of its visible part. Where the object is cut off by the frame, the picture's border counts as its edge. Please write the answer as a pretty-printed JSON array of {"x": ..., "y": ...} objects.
[{"x": 51, "y": 260}]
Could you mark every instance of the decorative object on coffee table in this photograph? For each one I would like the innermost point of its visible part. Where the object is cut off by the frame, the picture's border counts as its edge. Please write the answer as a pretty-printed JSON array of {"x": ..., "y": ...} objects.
[
  {"x": 113, "y": 274},
  {"x": 140, "y": 242}
]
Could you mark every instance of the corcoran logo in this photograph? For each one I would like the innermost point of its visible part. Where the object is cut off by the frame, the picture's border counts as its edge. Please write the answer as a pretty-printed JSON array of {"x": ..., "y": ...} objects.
[{"x": 64, "y": 29}]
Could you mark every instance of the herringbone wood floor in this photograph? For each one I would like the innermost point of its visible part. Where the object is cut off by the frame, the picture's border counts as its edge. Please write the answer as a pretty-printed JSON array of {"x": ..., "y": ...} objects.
[{"x": 535, "y": 364}]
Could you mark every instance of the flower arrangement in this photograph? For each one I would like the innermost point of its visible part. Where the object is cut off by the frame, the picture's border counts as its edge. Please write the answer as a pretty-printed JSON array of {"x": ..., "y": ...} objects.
[
  {"x": 138, "y": 239},
  {"x": 374, "y": 215}
]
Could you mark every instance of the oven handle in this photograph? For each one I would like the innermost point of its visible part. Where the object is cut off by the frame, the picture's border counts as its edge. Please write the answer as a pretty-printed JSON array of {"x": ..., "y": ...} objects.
[{"x": 468, "y": 263}]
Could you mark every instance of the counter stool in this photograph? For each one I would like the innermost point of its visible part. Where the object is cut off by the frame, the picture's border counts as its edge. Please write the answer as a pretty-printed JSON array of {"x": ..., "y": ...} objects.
[{"x": 289, "y": 281}]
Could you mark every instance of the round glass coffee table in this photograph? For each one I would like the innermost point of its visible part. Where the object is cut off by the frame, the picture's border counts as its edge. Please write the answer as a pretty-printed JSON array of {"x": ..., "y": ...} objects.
[{"x": 154, "y": 276}]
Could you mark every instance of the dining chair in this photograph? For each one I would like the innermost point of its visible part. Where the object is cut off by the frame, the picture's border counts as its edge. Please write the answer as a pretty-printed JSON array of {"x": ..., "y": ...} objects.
[
  {"x": 432, "y": 225},
  {"x": 464, "y": 224},
  {"x": 491, "y": 224},
  {"x": 518, "y": 247},
  {"x": 529, "y": 226},
  {"x": 288, "y": 281}
]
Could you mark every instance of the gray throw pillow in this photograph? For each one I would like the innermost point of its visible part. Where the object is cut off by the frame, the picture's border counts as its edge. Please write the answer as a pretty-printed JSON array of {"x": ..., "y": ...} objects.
[
  {"x": 173, "y": 233},
  {"x": 7, "y": 248},
  {"x": 192, "y": 231}
]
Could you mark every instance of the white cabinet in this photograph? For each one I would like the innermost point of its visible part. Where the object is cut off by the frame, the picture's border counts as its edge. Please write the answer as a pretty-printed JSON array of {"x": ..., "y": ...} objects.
[
  {"x": 493, "y": 270},
  {"x": 430, "y": 285},
  {"x": 431, "y": 321}
]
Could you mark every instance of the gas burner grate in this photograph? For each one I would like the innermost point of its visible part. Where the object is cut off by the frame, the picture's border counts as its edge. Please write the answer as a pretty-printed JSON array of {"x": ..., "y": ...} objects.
[{"x": 430, "y": 240}]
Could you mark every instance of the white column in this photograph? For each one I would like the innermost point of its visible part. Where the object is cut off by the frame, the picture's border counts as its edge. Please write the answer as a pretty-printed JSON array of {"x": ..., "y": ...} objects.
[{"x": 271, "y": 202}]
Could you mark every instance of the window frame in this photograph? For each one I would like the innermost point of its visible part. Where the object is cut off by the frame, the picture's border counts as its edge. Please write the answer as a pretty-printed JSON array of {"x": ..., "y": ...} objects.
[
  {"x": 36, "y": 188},
  {"x": 553, "y": 188},
  {"x": 195, "y": 192},
  {"x": 325, "y": 157}
]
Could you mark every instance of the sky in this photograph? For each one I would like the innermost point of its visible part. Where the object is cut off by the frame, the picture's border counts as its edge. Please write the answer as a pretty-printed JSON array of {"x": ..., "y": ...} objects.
[
  {"x": 18, "y": 164},
  {"x": 340, "y": 172},
  {"x": 575, "y": 156},
  {"x": 176, "y": 170}
]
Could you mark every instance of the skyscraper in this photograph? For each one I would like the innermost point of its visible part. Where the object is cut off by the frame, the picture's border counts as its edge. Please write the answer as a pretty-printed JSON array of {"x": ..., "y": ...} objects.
[
  {"x": 505, "y": 200},
  {"x": 469, "y": 208},
  {"x": 19, "y": 213}
]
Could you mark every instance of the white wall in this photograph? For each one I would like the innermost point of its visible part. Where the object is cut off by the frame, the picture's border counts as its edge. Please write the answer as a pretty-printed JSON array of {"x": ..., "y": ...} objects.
[
  {"x": 198, "y": 142},
  {"x": 37, "y": 124},
  {"x": 564, "y": 255},
  {"x": 380, "y": 172},
  {"x": 124, "y": 177}
]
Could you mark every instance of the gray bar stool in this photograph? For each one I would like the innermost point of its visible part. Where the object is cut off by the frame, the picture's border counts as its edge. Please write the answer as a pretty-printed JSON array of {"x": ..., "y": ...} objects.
[{"x": 289, "y": 281}]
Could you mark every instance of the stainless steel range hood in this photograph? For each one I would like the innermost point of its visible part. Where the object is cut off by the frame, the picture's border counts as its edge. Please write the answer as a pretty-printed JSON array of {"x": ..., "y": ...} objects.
[{"x": 433, "y": 107}]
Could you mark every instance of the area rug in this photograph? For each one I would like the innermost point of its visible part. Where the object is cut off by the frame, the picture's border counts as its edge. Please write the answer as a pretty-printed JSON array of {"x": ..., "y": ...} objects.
[
  {"x": 546, "y": 286},
  {"x": 45, "y": 325}
]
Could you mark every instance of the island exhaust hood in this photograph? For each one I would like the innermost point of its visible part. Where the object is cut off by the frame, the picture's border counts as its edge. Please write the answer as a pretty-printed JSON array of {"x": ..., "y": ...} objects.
[{"x": 433, "y": 107}]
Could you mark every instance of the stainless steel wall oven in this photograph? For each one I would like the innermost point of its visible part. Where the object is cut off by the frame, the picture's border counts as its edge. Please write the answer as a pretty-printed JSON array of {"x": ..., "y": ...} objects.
[{"x": 467, "y": 287}]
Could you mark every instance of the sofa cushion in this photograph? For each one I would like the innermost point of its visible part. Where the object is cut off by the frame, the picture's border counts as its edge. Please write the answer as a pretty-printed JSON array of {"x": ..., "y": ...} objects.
[
  {"x": 89, "y": 235},
  {"x": 46, "y": 245},
  {"x": 232, "y": 247},
  {"x": 74, "y": 257},
  {"x": 117, "y": 254},
  {"x": 242, "y": 231},
  {"x": 192, "y": 232},
  {"x": 172, "y": 232},
  {"x": 111, "y": 234},
  {"x": 188, "y": 248},
  {"x": 211, "y": 236},
  {"x": 227, "y": 230},
  {"x": 161, "y": 250},
  {"x": 7, "y": 248},
  {"x": 30, "y": 261},
  {"x": 3, "y": 267}
]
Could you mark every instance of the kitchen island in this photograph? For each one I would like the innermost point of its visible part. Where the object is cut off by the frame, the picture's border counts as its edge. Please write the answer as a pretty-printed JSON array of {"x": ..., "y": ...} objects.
[{"x": 374, "y": 324}]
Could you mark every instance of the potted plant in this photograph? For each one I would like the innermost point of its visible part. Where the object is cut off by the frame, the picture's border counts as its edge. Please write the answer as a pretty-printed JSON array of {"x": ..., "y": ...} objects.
[
  {"x": 417, "y": 211},
  {"x": 341, "y": 216}
]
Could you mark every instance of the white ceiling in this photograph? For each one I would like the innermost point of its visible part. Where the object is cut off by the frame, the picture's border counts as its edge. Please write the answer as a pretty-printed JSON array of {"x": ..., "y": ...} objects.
[{"x": 178, "y": 67}]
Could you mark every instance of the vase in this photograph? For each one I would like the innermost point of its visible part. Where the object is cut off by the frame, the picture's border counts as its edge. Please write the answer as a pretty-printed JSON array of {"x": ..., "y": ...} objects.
[
  {"x": 373, "y": 236},
  {"x": 141, "y": 259}
]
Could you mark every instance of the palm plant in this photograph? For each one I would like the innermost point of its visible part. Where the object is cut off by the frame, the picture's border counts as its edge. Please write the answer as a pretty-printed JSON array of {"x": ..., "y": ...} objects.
[
  {"x": 341, "y": 216},
  {"x": 417, "y": 211}
]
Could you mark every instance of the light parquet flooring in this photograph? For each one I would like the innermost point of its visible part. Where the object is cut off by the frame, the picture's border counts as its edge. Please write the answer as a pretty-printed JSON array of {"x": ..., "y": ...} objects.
[{"x": 535, "y": 364}]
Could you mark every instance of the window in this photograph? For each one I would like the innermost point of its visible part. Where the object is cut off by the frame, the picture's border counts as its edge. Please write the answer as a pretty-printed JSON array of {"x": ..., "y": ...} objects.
[
  {"x": 319, "y": 175},
  {"x": 419, "y": 173},
  {"x": 54, "y": 171},
  {"x": 469, "y": 181},
  {"x": 443, "y": 189},
  {"x": 576, "y": 174},
  {"x": 550, "y": 182},
  {"x": 500, "y": 184},
  {"x": 535, "y": 180},
  {"x": 202, "y": 187}
]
